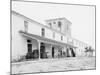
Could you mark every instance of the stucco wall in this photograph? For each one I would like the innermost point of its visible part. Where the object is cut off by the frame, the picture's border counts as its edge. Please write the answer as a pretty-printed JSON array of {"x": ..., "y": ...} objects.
[
  {"x": 33, "y": 28},
  {"x": 19, "y": 46},
  {"x": 48, "y": 50},
  {"x": 34, "y": 44}
]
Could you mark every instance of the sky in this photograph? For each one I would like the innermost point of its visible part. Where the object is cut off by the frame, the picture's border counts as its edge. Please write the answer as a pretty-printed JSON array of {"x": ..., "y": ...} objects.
[{"x": 81, "y": 17}]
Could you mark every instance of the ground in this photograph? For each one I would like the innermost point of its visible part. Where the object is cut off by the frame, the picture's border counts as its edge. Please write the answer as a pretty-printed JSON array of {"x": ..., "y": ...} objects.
[{"x": 62, "y": 64}]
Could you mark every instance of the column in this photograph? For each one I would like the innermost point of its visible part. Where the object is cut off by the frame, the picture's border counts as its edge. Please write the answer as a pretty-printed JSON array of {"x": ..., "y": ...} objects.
[
  {"x": 39, "y": 48},
  {"x": 51, "y": 51}
]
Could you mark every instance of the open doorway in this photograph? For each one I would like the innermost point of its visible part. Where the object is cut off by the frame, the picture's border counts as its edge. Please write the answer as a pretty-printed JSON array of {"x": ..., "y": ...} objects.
[
  {"x": 68, "y": 54},
  {"x": 31, "y": 53},
  {"x": 43, "y": 53},
  {"x": 52, "y": 52},
  {"x": 72, "y": 52}
]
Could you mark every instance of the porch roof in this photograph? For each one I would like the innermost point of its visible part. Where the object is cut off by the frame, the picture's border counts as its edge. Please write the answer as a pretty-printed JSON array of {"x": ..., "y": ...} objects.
[{"x": 43, "y": 39}]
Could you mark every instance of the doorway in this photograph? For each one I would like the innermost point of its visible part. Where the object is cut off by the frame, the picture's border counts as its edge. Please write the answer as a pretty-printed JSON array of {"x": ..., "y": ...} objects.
[
  {"x": 29, "y": 48},
  {"x": 72, "y": 52},
  {"x": 68, "y": 52},
  {"x": 43, "y": 53},
  {"x": 52, "y": 52}
]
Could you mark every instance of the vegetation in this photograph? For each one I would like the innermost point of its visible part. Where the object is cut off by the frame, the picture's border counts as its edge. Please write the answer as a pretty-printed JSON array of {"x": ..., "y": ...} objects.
[{"x": 89, "y": 49}]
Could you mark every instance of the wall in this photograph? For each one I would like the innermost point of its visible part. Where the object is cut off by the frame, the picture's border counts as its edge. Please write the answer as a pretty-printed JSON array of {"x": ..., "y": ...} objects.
[
  {"x": 19, "y": 46},
  {"x": 80, "y": 50},
  {"x": 34, "y": 44},
  {"x": 35, "y": 28},
  {"x": 64, "y": 26},
  {"x": 48, "y": 50}
]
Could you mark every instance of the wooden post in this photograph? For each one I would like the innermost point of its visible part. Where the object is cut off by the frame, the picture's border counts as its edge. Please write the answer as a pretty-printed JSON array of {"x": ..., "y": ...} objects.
[
  {"x": 39, "y": 49},
  {"x": 51, "y": 51}
]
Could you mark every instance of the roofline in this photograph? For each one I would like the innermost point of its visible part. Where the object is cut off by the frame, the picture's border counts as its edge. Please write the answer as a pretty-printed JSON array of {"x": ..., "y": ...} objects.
[
  {"x": 31, "y": 20},
  {"x": 80, "y": 41},
  {"x": 59, "y": 19}
]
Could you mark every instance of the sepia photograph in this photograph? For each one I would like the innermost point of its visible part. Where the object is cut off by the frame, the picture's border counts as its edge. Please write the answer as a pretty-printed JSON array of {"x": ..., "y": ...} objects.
[{"x": 52, "y": 37}]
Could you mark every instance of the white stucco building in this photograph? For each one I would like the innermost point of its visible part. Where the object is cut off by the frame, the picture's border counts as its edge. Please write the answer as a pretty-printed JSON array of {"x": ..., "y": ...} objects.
[{"x": 34, "y": 40}]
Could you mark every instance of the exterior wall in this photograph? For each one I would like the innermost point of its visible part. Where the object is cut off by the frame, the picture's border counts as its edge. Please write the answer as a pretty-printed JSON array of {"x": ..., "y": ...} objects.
[
  {"x": 49, "y": 34},
  {"x": 19, "y": 43},
  {"x": 80, "y": 50},
  {"x": 48, "y": 50},
  {"x": 65, "y": 26},
  {"x": 53, "y": 26},
  {"x": 34, "y": 44},
  {"x": 35, "y": 28}
]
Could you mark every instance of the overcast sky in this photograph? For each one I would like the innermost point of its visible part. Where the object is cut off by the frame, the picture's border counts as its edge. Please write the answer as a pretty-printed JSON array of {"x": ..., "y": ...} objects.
[{"x": 81, "y": 17}]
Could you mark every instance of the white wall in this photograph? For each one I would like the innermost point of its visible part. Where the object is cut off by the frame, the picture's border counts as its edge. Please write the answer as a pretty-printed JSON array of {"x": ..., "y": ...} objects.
[
  {"x": 19, "y": 46},
  {"x": 49, "y": 50},
  {"x": 34, "y": 28},
  {"x": 34, "y": 44},
  {"x": 48, "y": 33}
]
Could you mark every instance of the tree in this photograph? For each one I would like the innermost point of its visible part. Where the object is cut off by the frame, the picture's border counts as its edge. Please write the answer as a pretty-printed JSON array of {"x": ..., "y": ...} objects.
[{"x": 89, "y": 50}]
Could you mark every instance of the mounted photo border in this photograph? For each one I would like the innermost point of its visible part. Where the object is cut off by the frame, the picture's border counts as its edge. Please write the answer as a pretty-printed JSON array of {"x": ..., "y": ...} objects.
[{"x": 47, "y": 3}]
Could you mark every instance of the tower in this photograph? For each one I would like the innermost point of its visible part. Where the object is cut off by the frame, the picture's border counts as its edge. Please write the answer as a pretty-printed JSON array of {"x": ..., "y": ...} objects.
[{"x": 60, "y": 24}]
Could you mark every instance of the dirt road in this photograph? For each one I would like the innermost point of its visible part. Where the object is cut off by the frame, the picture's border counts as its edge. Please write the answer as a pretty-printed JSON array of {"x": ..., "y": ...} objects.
[{"x": 62, "y": 64}]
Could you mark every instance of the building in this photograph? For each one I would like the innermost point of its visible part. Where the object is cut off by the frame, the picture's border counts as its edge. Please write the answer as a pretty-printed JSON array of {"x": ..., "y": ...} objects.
[{"x": 33, "y": 40}]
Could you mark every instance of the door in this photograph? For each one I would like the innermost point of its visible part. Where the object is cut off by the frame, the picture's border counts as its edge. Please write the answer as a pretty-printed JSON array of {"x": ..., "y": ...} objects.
[
  {"x": 72, "y": 52},
  {"x": 68, "y": 53},
  {"x": 29, "y": 48},
  {"x": 53, "y": 52},
  {"x": 42, "y": 51}
]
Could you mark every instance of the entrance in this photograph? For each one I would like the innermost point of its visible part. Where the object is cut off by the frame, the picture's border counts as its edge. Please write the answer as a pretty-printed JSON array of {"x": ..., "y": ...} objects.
[
  {"x": 29, "y": 48},
  {"x": 52, "y": 52},
  {"x": 42, "y": 51},
  {"x": 31, "y": 54},
  {"x": 72, "y": 52},
  {"x": 68, "y": 54}
]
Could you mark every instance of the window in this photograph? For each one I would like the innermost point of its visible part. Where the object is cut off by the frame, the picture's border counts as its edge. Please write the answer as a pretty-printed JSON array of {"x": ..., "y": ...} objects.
[
  {"x": 29, "y": 46},
  {"x": 53, "y": 34},
  {"x": 43, "y": 32},
  {"x": 59, "y": 25},
  {"x": 29, "y": 41},
  {"x": 26, "y": 26},
  {"x": 54, "y": 22},
  {"x": 50, "y": 24},
  {"x": 61, "y": 37}
]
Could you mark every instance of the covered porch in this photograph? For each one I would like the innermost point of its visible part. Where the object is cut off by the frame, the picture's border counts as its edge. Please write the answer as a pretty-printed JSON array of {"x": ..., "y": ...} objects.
[{"x": 43, "y": 48}]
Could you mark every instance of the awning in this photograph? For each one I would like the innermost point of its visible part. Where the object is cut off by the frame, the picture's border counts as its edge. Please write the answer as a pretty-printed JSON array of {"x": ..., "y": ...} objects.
[{"x": 43, "y": 39}]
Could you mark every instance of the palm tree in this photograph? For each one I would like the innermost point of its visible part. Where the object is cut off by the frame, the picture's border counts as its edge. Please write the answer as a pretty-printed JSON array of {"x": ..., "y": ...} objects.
[{"x": 89, "y": 50}]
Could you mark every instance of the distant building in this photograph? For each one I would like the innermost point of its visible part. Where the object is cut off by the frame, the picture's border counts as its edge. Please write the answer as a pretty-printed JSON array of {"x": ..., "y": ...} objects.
[{"x": 34, "y": 40}]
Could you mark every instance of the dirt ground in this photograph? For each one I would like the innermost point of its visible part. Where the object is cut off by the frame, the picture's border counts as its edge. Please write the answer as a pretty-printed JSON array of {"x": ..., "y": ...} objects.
[{"x": 47, "y": 65}]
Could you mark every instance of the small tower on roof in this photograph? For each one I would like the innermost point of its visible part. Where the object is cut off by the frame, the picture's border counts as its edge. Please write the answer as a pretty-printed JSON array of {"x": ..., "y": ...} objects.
[{"x": 60, "y": 24}]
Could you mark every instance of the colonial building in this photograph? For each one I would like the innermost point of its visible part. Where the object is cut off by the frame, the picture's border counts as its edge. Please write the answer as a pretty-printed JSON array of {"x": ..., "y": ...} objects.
[{"x": 33, "y": 40}]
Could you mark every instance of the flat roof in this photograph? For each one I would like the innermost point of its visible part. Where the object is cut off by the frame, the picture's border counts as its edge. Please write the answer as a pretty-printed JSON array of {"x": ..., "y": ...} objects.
[{"x": 62, "y": 18}]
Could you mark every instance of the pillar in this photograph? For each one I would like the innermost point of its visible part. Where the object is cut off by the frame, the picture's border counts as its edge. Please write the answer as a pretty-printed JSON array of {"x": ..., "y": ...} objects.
[
  {"x": 39, "y": 49},
  {"x": 51, "y": 51}
]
